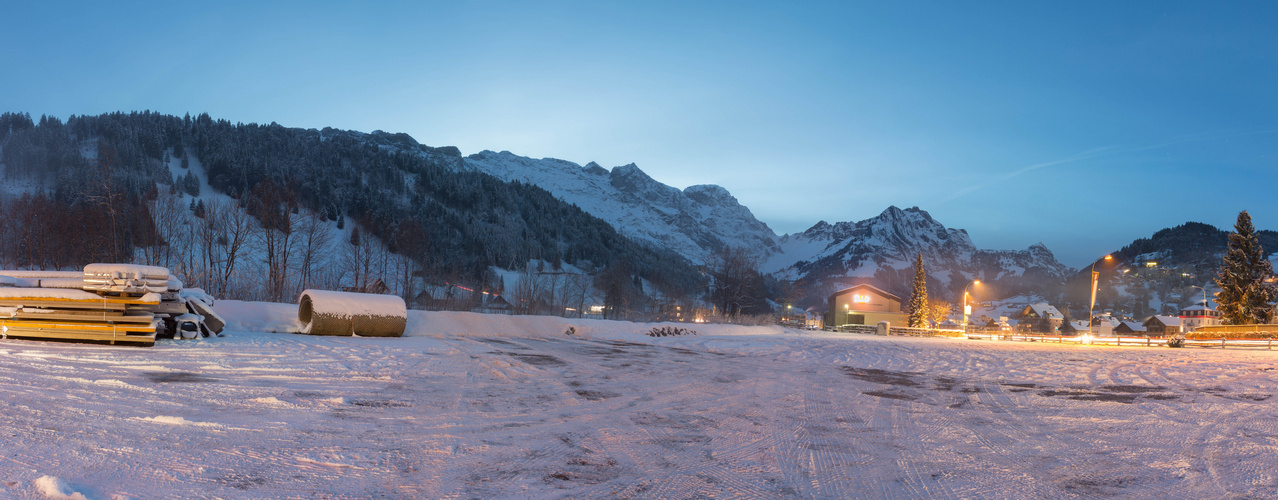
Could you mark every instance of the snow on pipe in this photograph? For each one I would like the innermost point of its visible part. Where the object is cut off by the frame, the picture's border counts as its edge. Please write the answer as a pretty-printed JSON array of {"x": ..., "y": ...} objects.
[{"x": 323, "y": 312}]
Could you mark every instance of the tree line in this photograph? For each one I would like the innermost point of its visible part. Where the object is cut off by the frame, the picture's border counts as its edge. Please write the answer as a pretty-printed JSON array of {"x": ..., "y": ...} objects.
[{"x": 104, "y": 191}]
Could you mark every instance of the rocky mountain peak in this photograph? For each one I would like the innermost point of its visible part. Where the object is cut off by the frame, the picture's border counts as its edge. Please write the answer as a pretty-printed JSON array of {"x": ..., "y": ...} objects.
[
  {"x": 710, "y": 194},
  {"x": 594, "y": 168}
]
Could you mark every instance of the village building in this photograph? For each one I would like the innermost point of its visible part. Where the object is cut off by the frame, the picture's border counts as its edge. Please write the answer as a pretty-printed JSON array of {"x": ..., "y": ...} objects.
[
  {"x": 1129, "y": 328},
  {"x": 1104, "y": 324},
  {"x": 864, "y": 305},
  {"x": 1033, "y": 315},
  {"x": 1162, "y": 325},
  {"x": 1198, "y": 316}
]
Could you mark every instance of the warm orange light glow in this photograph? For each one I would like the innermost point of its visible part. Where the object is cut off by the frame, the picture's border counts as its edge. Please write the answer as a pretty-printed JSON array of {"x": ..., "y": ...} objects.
[
  {"x": 1109, "y": 257},
  {"x": 977, "y": 282}
]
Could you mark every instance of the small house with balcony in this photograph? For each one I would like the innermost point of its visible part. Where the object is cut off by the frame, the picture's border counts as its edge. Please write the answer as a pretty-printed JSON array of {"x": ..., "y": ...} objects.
[{"x": 1198, "y": 316}]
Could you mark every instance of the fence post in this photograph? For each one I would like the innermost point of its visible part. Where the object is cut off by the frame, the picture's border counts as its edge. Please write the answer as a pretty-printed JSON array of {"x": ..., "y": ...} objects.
[{"x": 1222, "y": 342}]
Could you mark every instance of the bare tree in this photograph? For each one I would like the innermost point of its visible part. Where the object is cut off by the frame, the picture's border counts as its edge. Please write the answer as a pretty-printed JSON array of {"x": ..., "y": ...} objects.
[
  {"x": 314, "y": 239},
  {"x": 225, "y": 235},
  {"x": 577, "y": 288},
  {"x": 277, "y": 210},
  {"x": 939, "y": 310},
  {"x": 735, "y": 271},
  {"x": 169, "y": 217}
]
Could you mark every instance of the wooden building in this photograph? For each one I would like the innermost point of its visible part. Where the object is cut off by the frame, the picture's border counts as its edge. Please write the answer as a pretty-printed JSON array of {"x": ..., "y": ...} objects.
[
  {"x": 1162, "y": 325},
  {"x": 864, "y": 305}
]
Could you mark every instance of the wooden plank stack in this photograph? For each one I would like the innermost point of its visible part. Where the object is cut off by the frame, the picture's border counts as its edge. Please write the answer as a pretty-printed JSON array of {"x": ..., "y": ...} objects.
[
  {"x": 50, "y": 313},
  {"x": 115, "y": 303}
]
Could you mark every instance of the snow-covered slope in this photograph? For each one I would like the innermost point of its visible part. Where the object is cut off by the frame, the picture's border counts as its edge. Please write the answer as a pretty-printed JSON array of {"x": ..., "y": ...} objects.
[
  {"x": 493, "y": 406},
  {"x": 693, "y": 222},
  {"x": 832, "y": 255}
]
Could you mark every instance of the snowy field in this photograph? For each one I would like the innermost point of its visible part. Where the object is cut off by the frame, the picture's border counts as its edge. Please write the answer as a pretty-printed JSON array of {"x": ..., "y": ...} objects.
[{"x": 471, "y": 406}]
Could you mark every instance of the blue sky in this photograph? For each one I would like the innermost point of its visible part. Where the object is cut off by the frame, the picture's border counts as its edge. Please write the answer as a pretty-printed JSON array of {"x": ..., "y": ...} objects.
[{"x": 1083, "y": 125}]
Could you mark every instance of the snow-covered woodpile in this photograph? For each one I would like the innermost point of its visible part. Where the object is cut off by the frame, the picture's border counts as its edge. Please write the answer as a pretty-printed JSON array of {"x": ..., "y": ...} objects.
[
  {"x": 107, "y": 302},
  {"x": 323, "y": 312},
  {"x": 121, "y": 278}
]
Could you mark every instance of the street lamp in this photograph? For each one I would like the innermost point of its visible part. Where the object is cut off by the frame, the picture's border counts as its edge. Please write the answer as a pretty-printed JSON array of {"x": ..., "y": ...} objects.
[
  {"x": 967, "y": 311},
  {"x": 1092, "y": 304}
]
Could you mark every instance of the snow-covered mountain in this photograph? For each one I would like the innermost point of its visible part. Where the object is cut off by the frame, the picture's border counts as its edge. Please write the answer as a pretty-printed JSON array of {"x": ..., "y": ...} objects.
[
  {"x": 696, "y": 221},
  {"x": 693, "y": 222},
  {"x": 830, "y": 256}
]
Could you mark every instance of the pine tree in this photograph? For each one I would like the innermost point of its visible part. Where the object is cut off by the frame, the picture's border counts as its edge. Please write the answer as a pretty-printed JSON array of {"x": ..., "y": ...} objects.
[
  {"x": 918, "y": 299},
  {"x": 1245, "y": 297}
]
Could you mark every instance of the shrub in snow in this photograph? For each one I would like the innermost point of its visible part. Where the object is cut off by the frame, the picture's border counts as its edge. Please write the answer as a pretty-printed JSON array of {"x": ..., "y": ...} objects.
[{"x": 669, "y": 331}]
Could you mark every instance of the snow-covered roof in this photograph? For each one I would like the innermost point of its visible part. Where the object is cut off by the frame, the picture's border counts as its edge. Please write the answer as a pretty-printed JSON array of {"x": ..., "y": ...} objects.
[
  {"x": 1107, "y": 319},
  {"x": 1134, "y": 326},
  {"x": 1045, "y": 310},
  {"x": 1165, "y": 320},
  {"x": 871, "y": 287}
]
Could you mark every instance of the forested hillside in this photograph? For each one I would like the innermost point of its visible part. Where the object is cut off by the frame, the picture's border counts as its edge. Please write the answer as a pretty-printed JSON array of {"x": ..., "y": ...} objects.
[{"x": 93, "y": 182}]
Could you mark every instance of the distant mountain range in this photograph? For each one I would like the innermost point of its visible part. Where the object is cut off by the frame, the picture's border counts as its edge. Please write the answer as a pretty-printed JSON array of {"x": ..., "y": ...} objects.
[
  {"x": 501, "y": 209},
  {"x": 697, "y": 221}
]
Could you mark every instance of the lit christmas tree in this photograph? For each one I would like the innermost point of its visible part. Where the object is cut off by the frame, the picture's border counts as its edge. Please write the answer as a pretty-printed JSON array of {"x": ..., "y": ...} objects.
[
  {"x": 918, "y": 300},
  {"x": 1245, "y": 295}
]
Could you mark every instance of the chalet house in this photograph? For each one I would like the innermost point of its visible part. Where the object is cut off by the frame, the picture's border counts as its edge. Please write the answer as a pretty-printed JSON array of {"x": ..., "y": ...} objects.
[
  {"x": 1033, "y": 314},
  {"x": 1162, "y": 325},
  {"x": 1104, "y": 324},
  {"x": 378, "y": 286},
  {"x": 494, "y": 304},
  {"x": 1197, "y": 316},
  {"x": 1129, "y": 328},
  {"x": 864, "y": 305}
]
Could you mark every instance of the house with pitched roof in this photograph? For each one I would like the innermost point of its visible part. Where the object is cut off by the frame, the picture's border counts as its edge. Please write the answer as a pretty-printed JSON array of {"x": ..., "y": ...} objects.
[
  {"x": 1198, "y": 315},
  {"x": 1162, "y": 325},
  {"x": 1034, "y": 314},
  {"x": 864, "y": 305}
]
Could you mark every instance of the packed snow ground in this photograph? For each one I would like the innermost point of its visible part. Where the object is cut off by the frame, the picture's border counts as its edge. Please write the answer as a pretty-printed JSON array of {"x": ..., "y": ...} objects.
[{"x": 474, "y": 406}]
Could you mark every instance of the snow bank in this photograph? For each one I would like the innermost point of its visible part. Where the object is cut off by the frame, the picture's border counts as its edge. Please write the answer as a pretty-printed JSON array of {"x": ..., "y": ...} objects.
[
  {"x": 55, "y": 489},
  {"x": 283, "y": 318},
  {"x": 258, "y": 316},
  {"x": 465, "y": 324}
]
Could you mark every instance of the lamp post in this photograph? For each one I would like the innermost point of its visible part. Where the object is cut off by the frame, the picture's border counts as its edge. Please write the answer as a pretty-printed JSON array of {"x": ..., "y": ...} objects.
[
  {"x": 1092, "y": 305},
  {"x": 966, "y": 311}
]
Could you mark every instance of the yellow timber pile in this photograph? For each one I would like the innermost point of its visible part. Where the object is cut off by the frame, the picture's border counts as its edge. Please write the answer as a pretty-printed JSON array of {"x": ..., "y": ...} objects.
[
  {"x": 106, "y": 302},
  {"x": 51, "y": 313}
]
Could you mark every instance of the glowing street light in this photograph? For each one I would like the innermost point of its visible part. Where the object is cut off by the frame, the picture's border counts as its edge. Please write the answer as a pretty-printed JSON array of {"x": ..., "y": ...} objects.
[
  {"x": 967, "y": 310},
  {"x": 1092, "y": 304}
]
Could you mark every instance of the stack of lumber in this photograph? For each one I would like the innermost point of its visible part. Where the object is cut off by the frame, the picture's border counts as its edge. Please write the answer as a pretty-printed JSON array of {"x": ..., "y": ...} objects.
[
  {"x": 59, "y": 313},
  {"x": 126, "y": 279}
]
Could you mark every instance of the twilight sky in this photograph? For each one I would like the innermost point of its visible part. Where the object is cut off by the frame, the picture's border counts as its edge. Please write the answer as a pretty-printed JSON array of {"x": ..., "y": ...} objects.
[{"x": 1083, "y": 125}]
